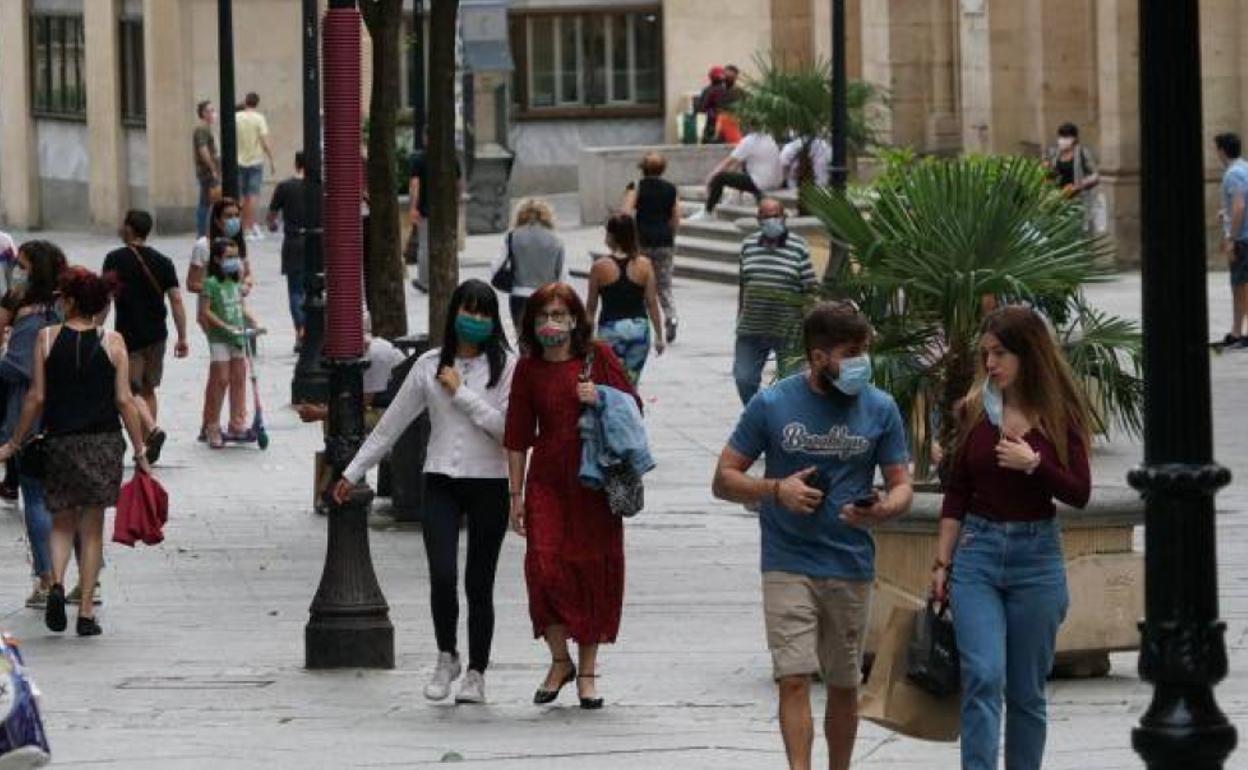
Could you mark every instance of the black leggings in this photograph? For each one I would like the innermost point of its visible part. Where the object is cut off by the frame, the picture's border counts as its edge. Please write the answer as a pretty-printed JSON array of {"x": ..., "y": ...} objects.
[
  {"x": 484, "y": 503},
  {"x": 736, "y": 180}
]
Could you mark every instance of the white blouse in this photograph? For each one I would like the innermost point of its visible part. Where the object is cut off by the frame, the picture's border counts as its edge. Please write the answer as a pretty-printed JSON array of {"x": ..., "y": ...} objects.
[{"x": 466, "y": 436}]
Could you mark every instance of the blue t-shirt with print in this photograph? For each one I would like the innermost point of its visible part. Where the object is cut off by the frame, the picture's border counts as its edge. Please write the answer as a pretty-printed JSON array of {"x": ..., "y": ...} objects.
[
  {"x": 1234, "y": 182},
  {"x": 846, "y": 439}
]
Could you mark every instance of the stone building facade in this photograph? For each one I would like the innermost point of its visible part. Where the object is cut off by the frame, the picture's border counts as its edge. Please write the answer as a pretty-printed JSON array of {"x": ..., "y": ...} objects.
[{"x": 97, "y": 97}]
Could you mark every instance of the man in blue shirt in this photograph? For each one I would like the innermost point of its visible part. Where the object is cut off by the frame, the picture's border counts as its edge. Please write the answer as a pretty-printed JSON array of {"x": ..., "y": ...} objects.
[
  {"x": 824, "y": 432},
  {"x": 1235, "y": 233}
]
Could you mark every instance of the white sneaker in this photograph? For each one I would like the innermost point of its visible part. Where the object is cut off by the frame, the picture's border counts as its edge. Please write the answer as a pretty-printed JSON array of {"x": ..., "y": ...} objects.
[
  {"x": 472, "y": 688},
  {"x": 701, "y": 215},
  {"x": 447, "y": 671}
]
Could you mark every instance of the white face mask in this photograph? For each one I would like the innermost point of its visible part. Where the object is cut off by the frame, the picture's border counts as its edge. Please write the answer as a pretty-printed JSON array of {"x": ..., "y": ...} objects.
[
  {"x": 1065, "y": 142},
  {"x": 994, "y": 404}
]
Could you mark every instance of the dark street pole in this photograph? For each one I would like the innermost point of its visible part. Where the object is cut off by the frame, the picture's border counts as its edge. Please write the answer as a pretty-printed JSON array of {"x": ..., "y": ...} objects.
[
  {"x": 840, "y": 109},
  {"x": 311, "y": 381},
  {"x": 1182, "y": 649},
  {"x": 229, "y": 134},
  {"x": 417, "y": 85},
  {"x": 350, "y": 623}
]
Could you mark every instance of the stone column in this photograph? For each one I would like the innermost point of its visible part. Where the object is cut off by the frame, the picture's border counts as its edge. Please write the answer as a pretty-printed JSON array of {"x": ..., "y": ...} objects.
[
  {"x": 944, "y": 130},
  {"x": 19, "y": 182},
  {"x": 167, "y": 39},
  {"x": 1061, "y": 68},
  {"x": 793, "y": 33},
  {"x": 896, "y": 56},
  {"x": 1118, "y": 61},
  {"x": 993, "y": 76},
  {"x": 109, "y": 186},
  {"x": 1223, "y": 106}
]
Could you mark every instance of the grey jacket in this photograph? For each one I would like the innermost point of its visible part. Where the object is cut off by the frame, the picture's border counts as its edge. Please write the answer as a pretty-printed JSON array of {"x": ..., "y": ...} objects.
[{"x": 537, "y": 258}]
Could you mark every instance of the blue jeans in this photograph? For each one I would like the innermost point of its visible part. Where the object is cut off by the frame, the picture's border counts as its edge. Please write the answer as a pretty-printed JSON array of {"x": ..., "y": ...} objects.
[
  {"x": 295, "y": 294},
  {"x": 38, "y": 523},
  {"x": 748, "y": 361},
  {"x": 1008, "y": 593},
  {"x": 203, "y": 211}
]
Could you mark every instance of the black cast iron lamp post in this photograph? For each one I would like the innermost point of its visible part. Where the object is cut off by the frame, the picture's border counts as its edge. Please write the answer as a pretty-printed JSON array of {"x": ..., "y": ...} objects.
[
  {"x": 350, "y": 624},
  {"x": 225, "y": 66},
  {"x": 1182, "y": 650},
  {"x": 311, "y": 381}
]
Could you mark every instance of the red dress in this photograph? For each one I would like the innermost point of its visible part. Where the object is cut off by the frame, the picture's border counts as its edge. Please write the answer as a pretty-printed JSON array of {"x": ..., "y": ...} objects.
[{"x": 574, "y": 562}]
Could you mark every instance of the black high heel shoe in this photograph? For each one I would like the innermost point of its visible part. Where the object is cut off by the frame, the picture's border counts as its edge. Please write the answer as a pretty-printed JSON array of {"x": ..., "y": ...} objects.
[
  {"x": 590, "y": 704},
  {"x": 542, "y": 697}
]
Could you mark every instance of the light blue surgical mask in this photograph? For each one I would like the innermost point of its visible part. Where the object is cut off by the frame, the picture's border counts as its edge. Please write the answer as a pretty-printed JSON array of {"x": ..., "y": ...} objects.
[
  {"x": 773, "y": 228},
  {"x": 19, "y": 279},
  {"x": 855, "y": 375},
  {"x": 233, "y": 226},
  {"x": 994, "y": 404},
  {"x": 232, "y": 265}
]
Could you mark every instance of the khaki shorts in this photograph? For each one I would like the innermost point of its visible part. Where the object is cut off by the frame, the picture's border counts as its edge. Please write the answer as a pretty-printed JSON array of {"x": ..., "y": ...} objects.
[
  {"x": 147, "y": 367},
  {"x": 816, "y": 625}
]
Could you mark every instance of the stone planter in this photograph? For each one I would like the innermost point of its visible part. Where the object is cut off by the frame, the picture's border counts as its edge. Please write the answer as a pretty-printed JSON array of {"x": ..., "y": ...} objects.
[{"x": 1105, "y": 575}]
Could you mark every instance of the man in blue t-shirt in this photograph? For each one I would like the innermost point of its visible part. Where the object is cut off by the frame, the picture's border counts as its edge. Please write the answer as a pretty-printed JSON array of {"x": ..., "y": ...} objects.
[
  {"x": 824, "y": 432},
  {"x": 1235, "y": 234}
]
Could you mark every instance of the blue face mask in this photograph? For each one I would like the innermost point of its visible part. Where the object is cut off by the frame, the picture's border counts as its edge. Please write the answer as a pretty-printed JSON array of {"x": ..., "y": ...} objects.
[
  {"x": 994, "y": 404},
  {"x": 233, "y": 226},
  {"x": 473, "y": 330},
  {"x": 773, "y": 228},
  {"x": 855, "y": 375},
  {"x": 232, "y": 265}
]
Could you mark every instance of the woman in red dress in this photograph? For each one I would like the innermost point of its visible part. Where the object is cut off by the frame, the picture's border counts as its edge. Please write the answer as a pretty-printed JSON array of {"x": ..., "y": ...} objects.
[{"x": 574, "y": 563}]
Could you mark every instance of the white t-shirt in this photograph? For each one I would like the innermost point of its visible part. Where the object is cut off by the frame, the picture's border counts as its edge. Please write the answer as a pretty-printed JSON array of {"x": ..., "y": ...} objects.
[
  {"x": 199, "y": 252},
  {"x": 820, "y": 155},
  {"x": 761, "y": 157},
  {"x": 382, "y": 358}
]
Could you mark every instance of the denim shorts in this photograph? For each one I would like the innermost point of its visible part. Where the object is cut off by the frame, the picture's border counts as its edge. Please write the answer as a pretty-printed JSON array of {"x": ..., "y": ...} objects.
[
  {"x": 250, "y": 178},
  {"x": 1239, "y": 264}
]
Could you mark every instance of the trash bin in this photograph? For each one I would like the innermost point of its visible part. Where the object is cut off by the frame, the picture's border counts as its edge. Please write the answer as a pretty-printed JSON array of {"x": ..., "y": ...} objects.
[{"x": 405, "y": 480}]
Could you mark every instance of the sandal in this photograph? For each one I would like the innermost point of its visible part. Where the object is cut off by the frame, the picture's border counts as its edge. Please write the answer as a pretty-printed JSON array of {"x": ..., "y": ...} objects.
[
  {"x": 216, "y": 440},
  {"x": 542, "y": 696}
]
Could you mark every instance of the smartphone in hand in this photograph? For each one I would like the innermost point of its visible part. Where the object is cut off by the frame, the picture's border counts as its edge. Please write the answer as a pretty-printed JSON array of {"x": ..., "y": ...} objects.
[{"x": 867, "y": 501}]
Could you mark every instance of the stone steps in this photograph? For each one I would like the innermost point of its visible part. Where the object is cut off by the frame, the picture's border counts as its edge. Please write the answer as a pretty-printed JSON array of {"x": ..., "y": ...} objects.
[{"x": 715, "y": 268}]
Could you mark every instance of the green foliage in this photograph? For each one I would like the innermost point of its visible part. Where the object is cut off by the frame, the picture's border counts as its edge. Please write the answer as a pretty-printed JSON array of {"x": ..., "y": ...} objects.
[
  {"x": 787, "y": 103},
  {"x": 940, "y": 237}
]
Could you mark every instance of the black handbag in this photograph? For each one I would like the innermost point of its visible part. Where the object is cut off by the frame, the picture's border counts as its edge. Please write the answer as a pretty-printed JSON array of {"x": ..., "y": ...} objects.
[
  {"x": 933, "y": 662},
  {"x": 504, "y": 278},
  {"x": 32, "y": 457}
]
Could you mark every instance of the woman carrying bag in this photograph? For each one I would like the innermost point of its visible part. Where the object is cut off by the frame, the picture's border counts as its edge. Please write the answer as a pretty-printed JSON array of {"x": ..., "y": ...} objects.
[
  {"x": 1024, "y": 443},
  {"x": 574, "y": 559}
]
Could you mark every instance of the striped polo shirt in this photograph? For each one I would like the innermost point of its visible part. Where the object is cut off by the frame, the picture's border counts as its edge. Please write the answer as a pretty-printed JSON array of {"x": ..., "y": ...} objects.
[{"x": 775, "y": 279}]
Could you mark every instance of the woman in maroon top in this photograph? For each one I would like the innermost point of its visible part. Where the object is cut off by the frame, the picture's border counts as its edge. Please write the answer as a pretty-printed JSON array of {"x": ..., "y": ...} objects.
[
  {"x": 574, "y": 563},
  {"x": 1024, "y": 442}
]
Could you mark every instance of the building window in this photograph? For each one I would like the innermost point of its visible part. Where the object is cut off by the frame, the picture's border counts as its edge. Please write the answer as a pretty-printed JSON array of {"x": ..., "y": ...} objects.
[
  {"x": 133, "y": 78},
  {"x": 577, "y": 63},
  {"x": 58, "y": 67}
]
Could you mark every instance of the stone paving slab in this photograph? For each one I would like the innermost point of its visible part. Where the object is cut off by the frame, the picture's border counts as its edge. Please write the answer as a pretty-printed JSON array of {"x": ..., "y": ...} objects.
[{"x": 201, "y": 662}]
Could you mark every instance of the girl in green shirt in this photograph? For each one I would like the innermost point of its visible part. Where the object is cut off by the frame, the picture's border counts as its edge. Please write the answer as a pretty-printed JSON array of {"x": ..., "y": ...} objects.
[{"x": 224, "y": 317}]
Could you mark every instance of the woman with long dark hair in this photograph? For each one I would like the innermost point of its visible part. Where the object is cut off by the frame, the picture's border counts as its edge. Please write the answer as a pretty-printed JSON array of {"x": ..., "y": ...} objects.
[
  {"x": 223, "y": 222},
  {"x": 627, "y": 283},
  {"x": 574, "y": 559},
  {"x": 465, "y": 386},
  {"x": 1025, "y": 432},
  {"x": 31, "y": 305},
  {"x": 81, "y": 389}
]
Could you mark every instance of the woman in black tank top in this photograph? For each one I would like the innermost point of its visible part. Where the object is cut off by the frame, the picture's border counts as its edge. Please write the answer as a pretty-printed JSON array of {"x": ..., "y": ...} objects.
[
  {"x": 630, "y": 302},
  {"x": 81, "y": 386}
]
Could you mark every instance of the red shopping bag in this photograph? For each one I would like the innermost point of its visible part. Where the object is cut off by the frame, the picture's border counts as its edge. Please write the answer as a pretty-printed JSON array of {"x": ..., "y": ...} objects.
[{"x": 142, "y": 510}]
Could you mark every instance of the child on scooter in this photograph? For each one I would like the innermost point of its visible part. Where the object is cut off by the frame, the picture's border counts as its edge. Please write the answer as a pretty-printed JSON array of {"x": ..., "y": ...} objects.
[{"x": 224, "y": 318}]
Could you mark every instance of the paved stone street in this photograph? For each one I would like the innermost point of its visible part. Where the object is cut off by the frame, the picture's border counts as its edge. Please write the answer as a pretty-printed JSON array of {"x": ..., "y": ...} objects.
[{"x": 200, "y": 665}]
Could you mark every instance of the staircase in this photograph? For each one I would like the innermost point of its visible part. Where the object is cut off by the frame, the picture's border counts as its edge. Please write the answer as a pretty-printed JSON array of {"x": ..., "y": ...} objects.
[{"x": 709, "y": 250}]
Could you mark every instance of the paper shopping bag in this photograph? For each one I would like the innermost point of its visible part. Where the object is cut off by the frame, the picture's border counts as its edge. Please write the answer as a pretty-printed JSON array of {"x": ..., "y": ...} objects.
[{"x": 891, "y": 700}]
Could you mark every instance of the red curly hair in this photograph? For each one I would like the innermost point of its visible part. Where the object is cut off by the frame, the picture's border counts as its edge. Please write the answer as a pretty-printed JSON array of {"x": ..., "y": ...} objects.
[{"x": 89, "y": 291}]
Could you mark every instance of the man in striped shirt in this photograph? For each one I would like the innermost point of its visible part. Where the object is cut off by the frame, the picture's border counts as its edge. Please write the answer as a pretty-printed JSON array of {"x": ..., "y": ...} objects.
[{"x": 777, "y": 278}]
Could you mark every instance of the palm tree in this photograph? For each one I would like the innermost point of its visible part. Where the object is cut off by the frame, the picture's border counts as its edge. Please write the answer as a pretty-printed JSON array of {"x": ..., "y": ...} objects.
[
  {"x": 798, "y": 103},
  {"x": 937, "y": 246}
]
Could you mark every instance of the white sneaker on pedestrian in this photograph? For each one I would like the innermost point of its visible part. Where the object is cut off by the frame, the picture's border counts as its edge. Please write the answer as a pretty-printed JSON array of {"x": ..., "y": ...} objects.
[
  {"x": 701, "y": 215},
  {"x": 447, "y": 671},
  {"x": 472, "y": 688}
]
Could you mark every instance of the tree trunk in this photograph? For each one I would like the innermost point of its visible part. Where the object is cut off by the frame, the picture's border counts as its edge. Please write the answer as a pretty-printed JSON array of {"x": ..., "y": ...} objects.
[
  {"x": 443, "y": 168},
  {"x": 384, "y": 260}
]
